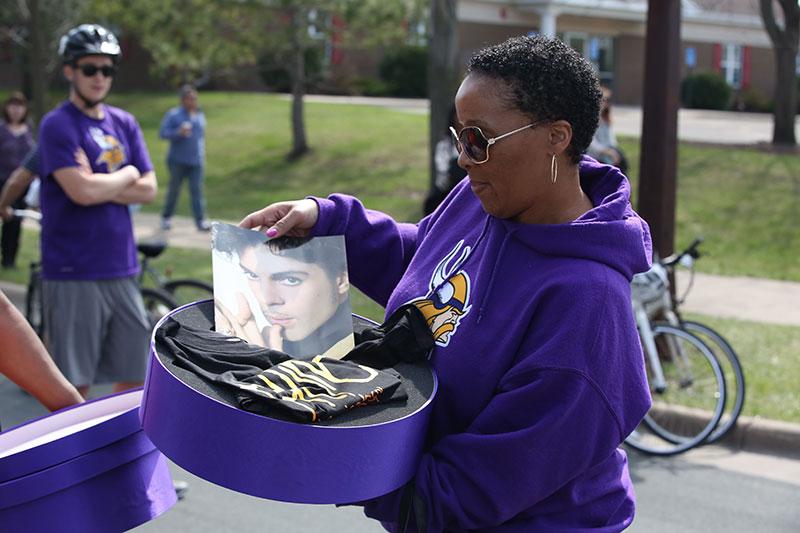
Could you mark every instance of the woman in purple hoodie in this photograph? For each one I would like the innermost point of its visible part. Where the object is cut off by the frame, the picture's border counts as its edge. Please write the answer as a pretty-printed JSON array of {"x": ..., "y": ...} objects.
[{"x": 523, "y": 275}]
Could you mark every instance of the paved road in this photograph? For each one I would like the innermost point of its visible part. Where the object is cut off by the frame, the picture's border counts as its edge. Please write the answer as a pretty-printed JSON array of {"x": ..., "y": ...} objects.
[{"x": 706, "y": 490}]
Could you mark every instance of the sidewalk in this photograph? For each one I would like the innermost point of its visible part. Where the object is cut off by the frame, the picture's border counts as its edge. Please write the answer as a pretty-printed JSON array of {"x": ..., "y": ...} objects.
[{"x": 694, "y": 125}]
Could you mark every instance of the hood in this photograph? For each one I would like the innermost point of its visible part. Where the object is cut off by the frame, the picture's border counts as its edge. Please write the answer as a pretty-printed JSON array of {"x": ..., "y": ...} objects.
[{"x": 610, "y": 233}]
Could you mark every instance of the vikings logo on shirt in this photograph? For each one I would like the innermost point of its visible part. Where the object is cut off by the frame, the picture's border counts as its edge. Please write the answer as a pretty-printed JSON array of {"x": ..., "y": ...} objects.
[
  {"x": 112, "y": 154},
  {"x": 447, "y": 301}
]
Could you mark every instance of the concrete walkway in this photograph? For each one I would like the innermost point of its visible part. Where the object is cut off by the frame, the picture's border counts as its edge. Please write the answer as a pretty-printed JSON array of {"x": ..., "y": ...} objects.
[
  {"x": 694, "y": 125},
  {"x": 753, "y": 299}
]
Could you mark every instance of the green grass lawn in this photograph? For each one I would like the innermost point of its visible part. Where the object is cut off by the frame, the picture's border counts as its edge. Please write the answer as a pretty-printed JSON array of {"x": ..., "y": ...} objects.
[{"x": 746, "y": 203}]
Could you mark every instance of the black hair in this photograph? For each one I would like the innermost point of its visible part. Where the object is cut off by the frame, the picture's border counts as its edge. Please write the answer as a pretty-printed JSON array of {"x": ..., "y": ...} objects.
[
  {"x": 15, "y": 98},
  {"x": 549, "y": 81},
  {"x": 327, "y": 253}
]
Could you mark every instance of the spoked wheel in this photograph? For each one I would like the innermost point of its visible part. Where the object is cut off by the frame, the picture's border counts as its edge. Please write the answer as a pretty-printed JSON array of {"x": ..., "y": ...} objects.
[
  {"x": 185, "y": 291},
  {"x": 157, "y": 304},
  {"x": 685, "y": 413},
  {"x": 731, "y": 370}
]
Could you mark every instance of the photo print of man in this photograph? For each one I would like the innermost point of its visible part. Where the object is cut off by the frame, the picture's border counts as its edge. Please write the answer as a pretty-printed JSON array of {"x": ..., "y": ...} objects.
[{"x": 290, "y": 294}]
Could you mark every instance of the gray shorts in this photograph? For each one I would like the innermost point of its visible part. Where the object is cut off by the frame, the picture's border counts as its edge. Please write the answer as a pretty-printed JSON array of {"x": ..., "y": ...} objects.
[{"x": 97, "y": 331}]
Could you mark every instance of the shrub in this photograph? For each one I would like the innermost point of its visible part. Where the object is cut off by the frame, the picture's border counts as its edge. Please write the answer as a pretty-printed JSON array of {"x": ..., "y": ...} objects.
[
  {"x": 405, "y": 71},
  {"x": 274, "y": 70},
  {"x": 751, "y": 99},
  {"x": 705, "y": 90},
  {"x": 369, "y": 87}
]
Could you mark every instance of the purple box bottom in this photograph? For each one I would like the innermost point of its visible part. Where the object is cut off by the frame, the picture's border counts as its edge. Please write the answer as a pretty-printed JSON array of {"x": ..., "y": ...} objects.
[{"x": 346, "y": 460}]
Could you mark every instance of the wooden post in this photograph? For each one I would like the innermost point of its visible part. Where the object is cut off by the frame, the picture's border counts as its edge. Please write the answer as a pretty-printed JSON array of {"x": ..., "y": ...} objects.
[{"x": 659, "y": 151}]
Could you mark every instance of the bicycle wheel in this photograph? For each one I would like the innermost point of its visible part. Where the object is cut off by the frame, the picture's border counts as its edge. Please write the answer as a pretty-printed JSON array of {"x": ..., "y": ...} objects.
[
  {"x": 186, "y": 291},
  {"x": 34, "y": 305},
  {"x": 728, "y": 360},
  {"x": 157, "y": 304},
  {"x": 685, "y": 413}
]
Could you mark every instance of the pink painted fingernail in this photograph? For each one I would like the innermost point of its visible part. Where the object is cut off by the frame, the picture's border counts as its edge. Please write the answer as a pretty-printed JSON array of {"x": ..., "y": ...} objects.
[{"x": 271, "y": 232}]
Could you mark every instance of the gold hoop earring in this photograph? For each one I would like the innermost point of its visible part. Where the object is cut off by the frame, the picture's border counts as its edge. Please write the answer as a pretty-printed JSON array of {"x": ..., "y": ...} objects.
[{"x": 553, "y": 169}]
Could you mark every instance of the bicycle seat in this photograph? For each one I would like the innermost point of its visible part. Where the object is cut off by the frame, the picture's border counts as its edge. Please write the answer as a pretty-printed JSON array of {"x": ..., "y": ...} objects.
[{"x": 151, "y": 249}]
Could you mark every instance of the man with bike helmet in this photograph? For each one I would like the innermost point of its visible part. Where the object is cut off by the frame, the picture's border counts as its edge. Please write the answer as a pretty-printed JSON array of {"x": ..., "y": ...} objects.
[{"x": 93, "y": 163}]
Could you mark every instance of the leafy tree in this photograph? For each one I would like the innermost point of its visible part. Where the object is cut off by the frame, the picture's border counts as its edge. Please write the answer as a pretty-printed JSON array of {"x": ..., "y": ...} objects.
[
  {"x": 785, "y": 43},
  {"x": 35, "y": 27},
  {"x": 191, "y": 39},
  {"x": 188, "y": 40}
]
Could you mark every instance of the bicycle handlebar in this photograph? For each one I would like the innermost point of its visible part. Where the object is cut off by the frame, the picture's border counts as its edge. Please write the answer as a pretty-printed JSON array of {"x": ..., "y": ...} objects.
[
  {"x": 28, "y": 213},
  {"x": 690, "y": 251}
]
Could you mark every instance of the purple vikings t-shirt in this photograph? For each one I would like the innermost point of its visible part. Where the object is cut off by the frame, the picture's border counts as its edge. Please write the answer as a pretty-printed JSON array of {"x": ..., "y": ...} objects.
[{"x": 96, "y": 241}]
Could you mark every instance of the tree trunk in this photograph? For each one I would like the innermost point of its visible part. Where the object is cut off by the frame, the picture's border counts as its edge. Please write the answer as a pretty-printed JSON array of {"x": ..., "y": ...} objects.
[
  {"x": 38, "y": 63},
  {"x": 443, "y": 72},
  {"x": 785, "y": 42},
  {"x": 299, "y": 144},
  {"x": 785, "y": 97}
]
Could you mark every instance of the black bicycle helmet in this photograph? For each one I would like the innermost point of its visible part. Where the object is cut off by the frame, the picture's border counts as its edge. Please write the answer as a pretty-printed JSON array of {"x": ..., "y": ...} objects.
[{"x": 88, "y": 40}]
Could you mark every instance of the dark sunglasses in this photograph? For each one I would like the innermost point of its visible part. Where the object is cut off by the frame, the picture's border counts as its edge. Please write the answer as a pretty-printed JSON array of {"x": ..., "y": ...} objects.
[
  {"x": 475, "y": 145},
  {"x": 90, "y": 70}
]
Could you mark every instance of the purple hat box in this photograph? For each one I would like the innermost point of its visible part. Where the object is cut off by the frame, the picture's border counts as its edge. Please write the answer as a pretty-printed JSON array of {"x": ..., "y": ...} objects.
[
  {"x": 85, "y": 468},
  {"x": 362, "y": 454}
]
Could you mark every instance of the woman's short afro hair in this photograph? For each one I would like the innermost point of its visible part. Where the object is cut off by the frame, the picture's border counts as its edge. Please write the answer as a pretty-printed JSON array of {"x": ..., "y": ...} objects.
[{"x": 548, "y": 81}]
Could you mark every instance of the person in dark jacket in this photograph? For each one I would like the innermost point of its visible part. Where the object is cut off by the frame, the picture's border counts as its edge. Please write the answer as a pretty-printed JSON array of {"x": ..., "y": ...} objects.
[
  {"x": 16, "y": 140},
  {"x": 448, "y": 173}
]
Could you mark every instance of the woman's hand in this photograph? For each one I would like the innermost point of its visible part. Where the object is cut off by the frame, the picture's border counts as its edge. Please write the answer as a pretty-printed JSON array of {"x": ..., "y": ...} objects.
[{"x": 293, "y": 218}]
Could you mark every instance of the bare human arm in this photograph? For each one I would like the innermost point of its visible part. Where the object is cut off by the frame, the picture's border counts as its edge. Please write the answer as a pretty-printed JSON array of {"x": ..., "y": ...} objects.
[
  {"x": 13, "y": 189},
  {"x": 87, "y": 188},
  {"x": 141, "y": 191},
  {"x": 25, "y": 361}
]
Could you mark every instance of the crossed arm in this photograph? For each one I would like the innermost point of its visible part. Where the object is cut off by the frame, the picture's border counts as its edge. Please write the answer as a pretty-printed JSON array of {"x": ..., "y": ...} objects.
[{"x": 124, "y": 186}]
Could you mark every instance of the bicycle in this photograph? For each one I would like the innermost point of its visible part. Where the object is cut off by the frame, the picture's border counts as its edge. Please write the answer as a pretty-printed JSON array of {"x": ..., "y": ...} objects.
[
  {"x": 157, "y": 302},
  {"x": 686, "y": 384},
  {"x": 660, "y": 302},
  {"x": 183, "y": 291},
  {"x": 722, "y": 349}
]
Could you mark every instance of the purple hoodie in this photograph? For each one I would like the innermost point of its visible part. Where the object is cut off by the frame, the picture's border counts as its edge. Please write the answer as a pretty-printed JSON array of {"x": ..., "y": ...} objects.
[{"x": 541, "y": 374}]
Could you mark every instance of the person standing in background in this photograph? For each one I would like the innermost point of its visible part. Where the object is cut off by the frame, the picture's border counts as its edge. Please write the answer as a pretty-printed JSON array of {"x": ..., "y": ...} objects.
[
  {"x": 16, "y": 140},
  {"x": 185, "y": 129},
  {"x": 604, "y": 146},
  {"x": 93, "y": 163},
  {"x": 448, "y": 173}
]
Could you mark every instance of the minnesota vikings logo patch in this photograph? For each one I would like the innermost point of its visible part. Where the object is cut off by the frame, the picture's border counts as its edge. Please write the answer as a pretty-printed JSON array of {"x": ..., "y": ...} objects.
[
  {"x": 447, "y": 301},
  {"x": 112, "y": 154}
]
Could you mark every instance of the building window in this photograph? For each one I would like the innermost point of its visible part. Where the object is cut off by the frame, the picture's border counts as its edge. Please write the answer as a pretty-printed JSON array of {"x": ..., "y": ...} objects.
[
  {"x": 731, "y": 64},
  {"x": 598, "y": 49}
]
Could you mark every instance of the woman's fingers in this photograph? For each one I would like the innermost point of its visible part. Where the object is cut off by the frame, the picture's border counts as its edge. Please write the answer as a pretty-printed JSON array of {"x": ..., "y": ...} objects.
[{"x": 284, "y": 218}]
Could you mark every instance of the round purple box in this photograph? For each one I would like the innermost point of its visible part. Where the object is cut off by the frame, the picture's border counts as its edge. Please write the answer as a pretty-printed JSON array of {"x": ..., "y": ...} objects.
[
  {"x": 90, "y": 466},
  {"x": 366, "y": 453}
]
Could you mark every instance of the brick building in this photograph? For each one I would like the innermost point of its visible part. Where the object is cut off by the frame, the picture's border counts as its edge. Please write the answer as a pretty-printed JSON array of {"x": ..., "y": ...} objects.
[{"x": 726, "y": 36}]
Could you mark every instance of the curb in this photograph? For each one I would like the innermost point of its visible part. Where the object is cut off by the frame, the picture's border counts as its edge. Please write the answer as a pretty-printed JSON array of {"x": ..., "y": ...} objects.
[{"x": 761, "y": 435}]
